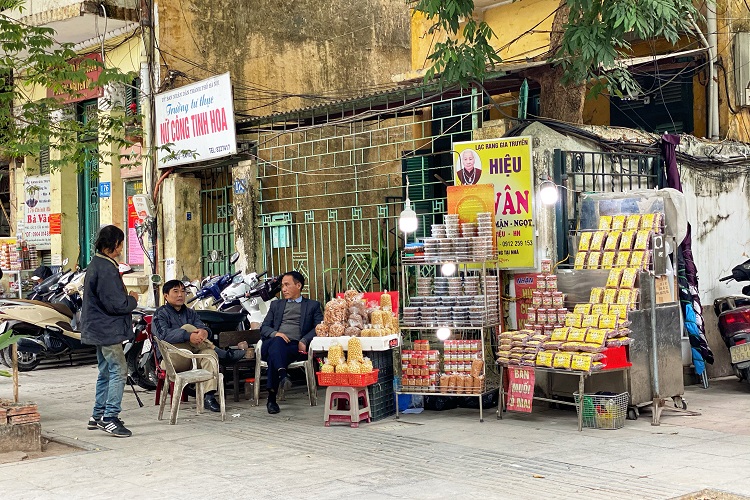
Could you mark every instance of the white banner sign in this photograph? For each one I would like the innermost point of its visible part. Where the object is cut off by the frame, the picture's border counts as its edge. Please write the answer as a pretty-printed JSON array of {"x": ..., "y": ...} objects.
[
  {"x": 36, "y": 210},
  {"x": 198, "y": 120}
]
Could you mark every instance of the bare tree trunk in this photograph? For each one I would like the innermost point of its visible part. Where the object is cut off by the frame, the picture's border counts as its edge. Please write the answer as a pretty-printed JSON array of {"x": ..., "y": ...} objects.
[{"x": 559, "y": 102}]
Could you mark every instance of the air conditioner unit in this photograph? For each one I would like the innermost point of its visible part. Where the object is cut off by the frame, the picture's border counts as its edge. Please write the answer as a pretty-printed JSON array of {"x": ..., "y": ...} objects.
[{"x": 742, "y": 67}]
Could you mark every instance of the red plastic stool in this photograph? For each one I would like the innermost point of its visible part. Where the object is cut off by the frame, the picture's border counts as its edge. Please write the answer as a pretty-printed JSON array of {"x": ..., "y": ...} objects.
[
  {"x": 347, "y": 408},
  {"x": 161, "y": 375}
]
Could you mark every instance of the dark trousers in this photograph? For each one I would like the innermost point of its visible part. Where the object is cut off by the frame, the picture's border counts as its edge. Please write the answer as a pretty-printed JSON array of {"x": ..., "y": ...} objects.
[{"x": 278, "y": 354}]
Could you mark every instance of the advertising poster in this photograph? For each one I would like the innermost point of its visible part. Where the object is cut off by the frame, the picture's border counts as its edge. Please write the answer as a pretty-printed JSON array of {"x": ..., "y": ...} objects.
[
  {"x": 134, "y": 250},
  {"x": 36, "y": 211},
  {"x": 520, "y": 389},
  {"x": 506, "y": 165},
  {"x": 468, "y": 201},
  {"x": 196, "y": 122},
  {"x": 523, "y": 286}
]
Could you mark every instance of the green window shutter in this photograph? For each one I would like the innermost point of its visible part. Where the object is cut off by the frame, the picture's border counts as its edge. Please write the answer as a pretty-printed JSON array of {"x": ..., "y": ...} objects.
[{"x": 421, "y": 190}]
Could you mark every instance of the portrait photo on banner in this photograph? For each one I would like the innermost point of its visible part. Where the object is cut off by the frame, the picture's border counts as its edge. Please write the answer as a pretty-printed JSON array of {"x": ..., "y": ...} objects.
[{"x": 468, "y": 167}]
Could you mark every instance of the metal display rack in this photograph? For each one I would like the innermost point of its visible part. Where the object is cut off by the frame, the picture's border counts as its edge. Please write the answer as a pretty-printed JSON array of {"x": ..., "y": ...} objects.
[{"x": 484, "y": 332}]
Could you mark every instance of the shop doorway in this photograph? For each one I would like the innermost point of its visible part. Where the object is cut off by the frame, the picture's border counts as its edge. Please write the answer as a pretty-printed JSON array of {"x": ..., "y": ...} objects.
[{"x": 217, "y": 220}]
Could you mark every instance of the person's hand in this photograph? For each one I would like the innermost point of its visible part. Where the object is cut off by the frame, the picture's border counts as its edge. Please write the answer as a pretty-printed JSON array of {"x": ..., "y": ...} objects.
[
  {"x": 134, "y": 295},
  {"x": 302, "y": 347},
  {"x": 283, "y": 336},
  {"x": 196, "y": 337},
  {"x": 203, "y": 332}
]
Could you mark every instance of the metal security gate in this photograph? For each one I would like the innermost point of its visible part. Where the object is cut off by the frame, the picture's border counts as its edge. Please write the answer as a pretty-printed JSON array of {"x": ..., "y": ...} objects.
[
  {"x": 217, "y": 215},
  {"x": 88, "y": 189},
  {"x": 588, "y": 172},
  {"x": 333, "y": 184}
]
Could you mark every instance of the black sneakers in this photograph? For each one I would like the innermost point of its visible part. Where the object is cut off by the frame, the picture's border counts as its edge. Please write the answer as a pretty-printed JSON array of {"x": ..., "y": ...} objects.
[
  {"x": 113, "y": 425},
  {"x": 94, "y": 423}
]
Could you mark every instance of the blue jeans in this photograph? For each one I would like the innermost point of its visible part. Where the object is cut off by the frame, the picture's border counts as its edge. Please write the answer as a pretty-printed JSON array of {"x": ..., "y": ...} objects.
[{"x": 113, "y": 373}]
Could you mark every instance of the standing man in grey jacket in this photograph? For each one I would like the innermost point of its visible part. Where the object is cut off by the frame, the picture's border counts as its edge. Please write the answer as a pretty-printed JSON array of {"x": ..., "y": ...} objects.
[{"x": 107, "y": 324}]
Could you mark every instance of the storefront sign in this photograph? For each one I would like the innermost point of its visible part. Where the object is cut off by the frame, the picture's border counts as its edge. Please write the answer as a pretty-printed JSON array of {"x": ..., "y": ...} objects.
[
  {"x": 520, "y": 389},
  {"x": 196, "y": 122},
  {"x": 523, "y": 286},
  {"x": 36, "y": 208},
  {"x": 135, "y": 252},
  {"x": 81, "y": 91},
  {"x": 505, "y": 164}
]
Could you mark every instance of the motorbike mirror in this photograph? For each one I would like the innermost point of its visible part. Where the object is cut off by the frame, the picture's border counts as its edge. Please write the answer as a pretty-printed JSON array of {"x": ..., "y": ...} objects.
[
  {"x": 155, "y": 279},
  {"x": 235, "y": 257}
]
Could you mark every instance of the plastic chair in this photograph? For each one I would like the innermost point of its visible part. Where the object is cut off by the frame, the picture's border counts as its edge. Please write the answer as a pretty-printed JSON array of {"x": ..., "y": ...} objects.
[
  {"x": 180, "y": 379},
  {"x": 309, "y": 376}
]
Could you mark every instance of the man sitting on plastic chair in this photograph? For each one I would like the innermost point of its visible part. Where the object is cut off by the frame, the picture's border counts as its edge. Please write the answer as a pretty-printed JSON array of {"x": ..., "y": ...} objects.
[
  {"x": 286, "y": 332},
  {"x": 180, "y": 326}
]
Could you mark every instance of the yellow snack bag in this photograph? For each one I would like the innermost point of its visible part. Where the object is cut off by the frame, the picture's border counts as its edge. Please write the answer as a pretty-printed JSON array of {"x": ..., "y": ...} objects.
[
  {"x": 577, "y": 334},
  {"x": 600, "y": 309},
  {"x": 562, "y": 360},
  {"x": 592, "y": 262},
  {"x": 628, "y": 277},
  {"x": 589, "y": 320},
  {"x": 573, "y": 320},
  {"x": 626, "y": 240},
  {"x": 619, "y": 310},
  {"x": 605, "y": 222},
  {"x": 613, "y": 238},
  {"x": 633, "y": 222},
  {"x": 560, "y": 334},
  {"x": 623, "y": 259},
  {"x": 636, "y": 258},
  {"x": 608, "y": 321},
  {"x": 596, "y": 336},
  {"x": 642, "y": 240},
  {"x": 597, "y": 295},
  {"x": 610, "y": 296},
  {"x": 618, "y": 222},
  {"x": 597, "y": 240},
  {"x": 647, "y": 221},
  {"x": 580, "y": 261},
  {"x": 545, "y": 358},
  {"x": 608, "y": 260},
  {"x": 580, "y": 362},
  {"x": 582, "y": 309},
  {"x": 585, "y": 241},
  {"x": 613, "y": 280}
]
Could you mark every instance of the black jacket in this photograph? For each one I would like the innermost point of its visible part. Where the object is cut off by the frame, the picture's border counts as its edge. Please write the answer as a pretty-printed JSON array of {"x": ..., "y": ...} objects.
[
  {"x": 167, "y": 323},
  {"x": 105, "y": 316},
  {"x": 310, "y": 316}
]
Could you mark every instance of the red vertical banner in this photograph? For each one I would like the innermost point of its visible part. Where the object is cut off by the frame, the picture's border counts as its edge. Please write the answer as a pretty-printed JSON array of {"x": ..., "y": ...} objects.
[
  {"x": 135, "y": 252},
  {"x": 520, "y": 389},
  {"x": 523, "y": 285}
]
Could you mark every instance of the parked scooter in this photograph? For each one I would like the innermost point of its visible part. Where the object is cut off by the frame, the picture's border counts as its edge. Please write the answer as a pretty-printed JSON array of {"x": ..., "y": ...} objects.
[
  {"x": 252, "y": 295},
  {"x": 140, "y": 353},
  {"x": 734, "y": 321}
]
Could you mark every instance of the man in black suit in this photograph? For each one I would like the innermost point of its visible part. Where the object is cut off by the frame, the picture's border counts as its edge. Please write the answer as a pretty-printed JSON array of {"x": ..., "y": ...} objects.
[{"x": 287, "y": 331}]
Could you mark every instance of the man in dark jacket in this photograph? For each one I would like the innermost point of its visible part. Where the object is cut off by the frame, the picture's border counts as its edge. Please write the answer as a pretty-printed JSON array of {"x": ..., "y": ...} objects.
[
  {"x": 106, "y": 323},
  {"x": 182, "y": 327},
  {"x": 287, "y": 331}
]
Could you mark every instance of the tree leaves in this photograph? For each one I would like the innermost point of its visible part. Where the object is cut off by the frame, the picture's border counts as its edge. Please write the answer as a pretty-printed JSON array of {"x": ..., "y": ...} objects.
[
  {"x": 32, "y": 60},
  {"x": 464, "y": 55}
]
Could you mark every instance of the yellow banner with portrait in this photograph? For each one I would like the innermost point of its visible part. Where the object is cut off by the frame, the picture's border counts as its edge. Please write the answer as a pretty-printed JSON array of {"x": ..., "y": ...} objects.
[{"x": 506, "y": 164}]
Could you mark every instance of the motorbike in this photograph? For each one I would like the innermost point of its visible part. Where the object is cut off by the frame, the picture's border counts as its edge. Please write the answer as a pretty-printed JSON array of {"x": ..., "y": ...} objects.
[
  {"x": 252, "y": 295},
  {"x": 46, "y": 288},
  {"x": 734, "y": 321},
  {"x": 140, "y": 353}
]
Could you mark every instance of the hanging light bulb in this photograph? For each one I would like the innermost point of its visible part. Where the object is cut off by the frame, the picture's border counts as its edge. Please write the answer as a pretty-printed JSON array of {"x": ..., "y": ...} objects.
[
  {"x": 448, "y": 269},
  {"x": 443, "y": 333},
  {"x": 548, "y": 192},
  {"x": 408, "y": 221}
]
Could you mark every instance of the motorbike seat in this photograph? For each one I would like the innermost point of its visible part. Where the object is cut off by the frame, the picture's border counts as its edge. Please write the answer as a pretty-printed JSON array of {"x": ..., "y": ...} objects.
[
  {"x": 210, "y": 316},
  {"x": 61, "y": 308}
]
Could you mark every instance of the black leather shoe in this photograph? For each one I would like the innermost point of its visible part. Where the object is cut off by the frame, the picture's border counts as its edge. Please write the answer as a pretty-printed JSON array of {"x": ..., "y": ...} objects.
[
  {"x": 210, "y": 403},
  {"x": 272, "y": 408}
]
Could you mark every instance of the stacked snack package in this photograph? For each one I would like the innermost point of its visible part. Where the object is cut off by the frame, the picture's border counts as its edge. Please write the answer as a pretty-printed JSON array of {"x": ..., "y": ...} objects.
[
  {"x": 520, "y": 347},
  {"x": 356, "y": 363},
  {"x": 620, "y": 241},
  {"x": 420, "y": 368},
  {"x": 352, "y": 317},
  {"x": 547, "y": 308}
]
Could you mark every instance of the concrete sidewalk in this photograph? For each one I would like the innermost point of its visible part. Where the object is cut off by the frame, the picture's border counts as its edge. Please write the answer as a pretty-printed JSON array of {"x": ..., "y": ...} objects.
[{"x": 430, "y": 455}]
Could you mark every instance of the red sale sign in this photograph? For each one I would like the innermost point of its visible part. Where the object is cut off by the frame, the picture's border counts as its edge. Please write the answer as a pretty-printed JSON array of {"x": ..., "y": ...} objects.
[{"x": 520, "y": 389}]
